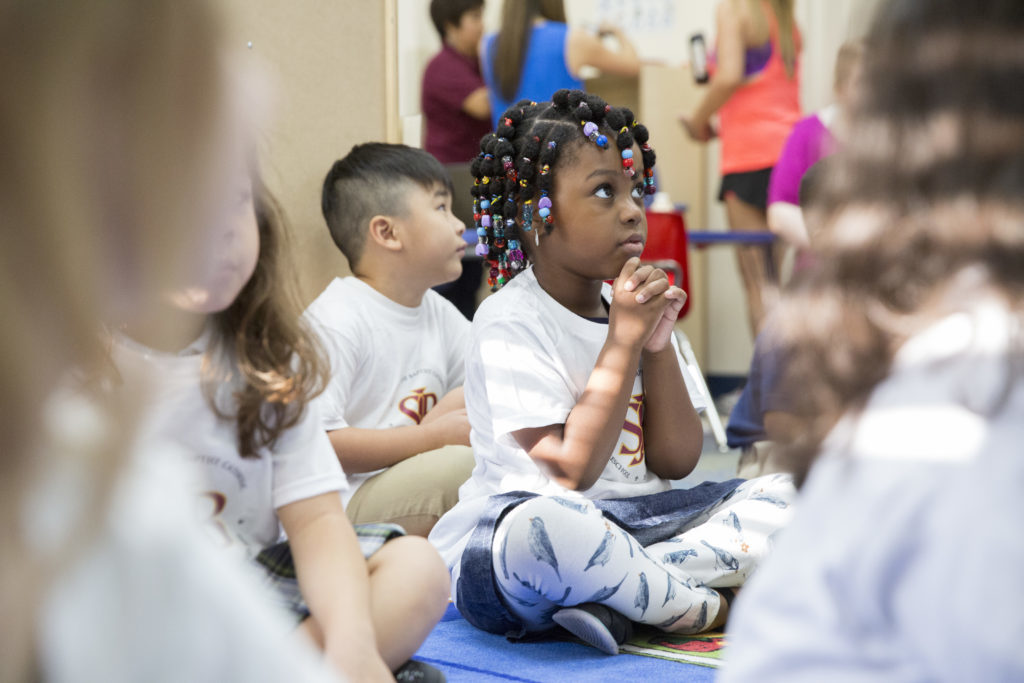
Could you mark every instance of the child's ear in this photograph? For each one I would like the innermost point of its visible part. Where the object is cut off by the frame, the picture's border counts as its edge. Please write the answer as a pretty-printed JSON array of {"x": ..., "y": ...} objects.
[{"x": 384, "y": 231}]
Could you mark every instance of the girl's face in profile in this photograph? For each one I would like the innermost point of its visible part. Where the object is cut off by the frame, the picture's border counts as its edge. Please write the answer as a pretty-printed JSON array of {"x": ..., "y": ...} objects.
[{"x": 225, "y": 256}]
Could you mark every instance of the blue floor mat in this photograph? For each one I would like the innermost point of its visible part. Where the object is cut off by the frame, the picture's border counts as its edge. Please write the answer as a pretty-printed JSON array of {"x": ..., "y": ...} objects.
[{"x": 465, "y": 653}]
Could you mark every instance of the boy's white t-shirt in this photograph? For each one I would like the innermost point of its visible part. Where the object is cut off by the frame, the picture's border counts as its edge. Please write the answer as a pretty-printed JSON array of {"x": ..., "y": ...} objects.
[
  {"x": 238, "y": 496},
  {"x": 389, "y": 363},
  {"x": 529, "y": 362}
]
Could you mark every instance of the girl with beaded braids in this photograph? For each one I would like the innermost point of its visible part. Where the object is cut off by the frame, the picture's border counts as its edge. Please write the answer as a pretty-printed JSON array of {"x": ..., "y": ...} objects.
[{"x": 578, "y": 407}]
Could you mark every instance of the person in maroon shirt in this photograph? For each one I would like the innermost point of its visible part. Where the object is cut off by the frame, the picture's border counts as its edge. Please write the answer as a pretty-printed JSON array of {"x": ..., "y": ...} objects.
[
  {"x": 457, "y": 114},
  {"x": 454, "y": 99}
]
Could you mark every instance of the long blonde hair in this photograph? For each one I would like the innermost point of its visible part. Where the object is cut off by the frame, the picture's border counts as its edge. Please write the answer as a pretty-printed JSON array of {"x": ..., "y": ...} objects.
[
  {"x": 786, "y": 20},
  {"x": 276, "y": 362},
  {"x": 108, "y": 109}
]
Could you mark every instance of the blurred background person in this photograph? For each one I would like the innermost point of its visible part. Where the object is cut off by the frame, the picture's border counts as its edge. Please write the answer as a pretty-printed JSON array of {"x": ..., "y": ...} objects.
[
  {"x": 755, "y": 90},
  {"x": 457, "y": 113},
  {"x": 907, "y": 353},
  {"x": 536, "y": 53},
  {"x": 115, "y": 134},
  {"x": 813, "y": 138},
  {"x": 454, "y": 97}
]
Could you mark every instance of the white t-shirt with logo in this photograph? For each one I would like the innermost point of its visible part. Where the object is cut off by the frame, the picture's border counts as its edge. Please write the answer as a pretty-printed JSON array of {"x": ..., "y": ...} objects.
[
  {"x": 238, "y": 496},
  {"x": 389, "y": 363},
  {"x": 144, "y": 596},
  {"x": 529, "y": 362}
]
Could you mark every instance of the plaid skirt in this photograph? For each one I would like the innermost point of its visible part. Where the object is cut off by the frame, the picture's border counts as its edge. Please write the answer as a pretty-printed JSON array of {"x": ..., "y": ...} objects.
[{"x": 278, "y": 567}]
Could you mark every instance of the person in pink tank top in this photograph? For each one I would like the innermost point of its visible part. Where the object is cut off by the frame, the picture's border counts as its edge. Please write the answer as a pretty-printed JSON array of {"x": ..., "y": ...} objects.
[{"x": 755, "y": 90}]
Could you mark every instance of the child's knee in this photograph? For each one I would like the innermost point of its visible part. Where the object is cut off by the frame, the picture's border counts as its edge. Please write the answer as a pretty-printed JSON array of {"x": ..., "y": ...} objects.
[
  {"x": 545, "y": 529},
  {"x": 413, "y": 565},
  {"x": 548, "y": 511},
  {"x": 774, "y": 489}
]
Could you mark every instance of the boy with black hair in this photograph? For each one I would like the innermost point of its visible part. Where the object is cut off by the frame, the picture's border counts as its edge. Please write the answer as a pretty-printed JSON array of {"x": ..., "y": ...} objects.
[
  {"x": 454, "y": 100},
  {"x": 393, "y": 407},
  {"x": 456, "y": 114}
]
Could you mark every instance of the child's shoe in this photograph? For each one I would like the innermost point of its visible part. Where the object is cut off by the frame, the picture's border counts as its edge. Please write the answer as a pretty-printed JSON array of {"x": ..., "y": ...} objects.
[
  {"x": 596, "y": 625},
  {"x": 418, "y": 672}
]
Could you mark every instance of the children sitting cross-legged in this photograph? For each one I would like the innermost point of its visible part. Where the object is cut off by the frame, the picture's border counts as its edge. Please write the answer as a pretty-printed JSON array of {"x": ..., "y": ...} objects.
[
  {"x": 393, "y": 406},
  {"x": 236, "y": 400},
  {"x": 580, "y": 411}
]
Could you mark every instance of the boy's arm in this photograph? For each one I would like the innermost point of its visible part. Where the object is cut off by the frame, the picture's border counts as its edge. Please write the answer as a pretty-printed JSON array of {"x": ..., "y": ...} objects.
[
  {"x": 366, "y": 450},
  {"x": 334, "y": 583},
  {"x": 575, "y": 453},
  {"x": 478, "y": 104},
  {"x": 453, "y": 400},
  {"x": 673, "y": 434},
  {"x": 787, "y": 221}
]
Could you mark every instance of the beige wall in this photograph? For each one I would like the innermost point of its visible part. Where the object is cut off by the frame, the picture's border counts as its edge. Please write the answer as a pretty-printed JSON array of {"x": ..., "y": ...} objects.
[{"x": 329, "y": 64}]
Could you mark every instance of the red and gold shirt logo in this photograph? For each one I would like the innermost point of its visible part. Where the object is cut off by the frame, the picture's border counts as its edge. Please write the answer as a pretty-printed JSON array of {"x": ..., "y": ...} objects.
[
  {"x": 416, "y": 405},
  {"x": 635, "y": 408}
]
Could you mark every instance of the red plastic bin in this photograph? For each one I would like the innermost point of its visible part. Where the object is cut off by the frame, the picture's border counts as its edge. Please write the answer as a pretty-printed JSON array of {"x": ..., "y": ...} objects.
[{"x": 666, "y": 247}]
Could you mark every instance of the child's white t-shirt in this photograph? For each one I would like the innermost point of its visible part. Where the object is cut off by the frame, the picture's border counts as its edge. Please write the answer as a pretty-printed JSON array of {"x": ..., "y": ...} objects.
[
  {"x": 145, "y": 596},
  {"x": 389, "y": 363},
  {"x": 905, "y": 553},
  {"x": 529, "y": 362},
  {"x": 238, "y": 496}
]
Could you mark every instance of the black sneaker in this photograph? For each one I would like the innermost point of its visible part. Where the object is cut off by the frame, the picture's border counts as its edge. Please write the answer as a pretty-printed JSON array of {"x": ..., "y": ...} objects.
[
  {"x": 596, "y": 625},
  {"x": 418, "y": 672}
]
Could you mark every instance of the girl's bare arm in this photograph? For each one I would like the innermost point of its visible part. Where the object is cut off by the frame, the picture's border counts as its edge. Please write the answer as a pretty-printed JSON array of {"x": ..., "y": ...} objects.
[{"x": 574, "y": 454}]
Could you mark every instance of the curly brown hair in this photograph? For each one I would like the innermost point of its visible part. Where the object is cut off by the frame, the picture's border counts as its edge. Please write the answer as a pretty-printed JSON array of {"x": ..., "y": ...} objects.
[
  {"x": 276, "y": 360},
  {"x": 929, "y": 186}
]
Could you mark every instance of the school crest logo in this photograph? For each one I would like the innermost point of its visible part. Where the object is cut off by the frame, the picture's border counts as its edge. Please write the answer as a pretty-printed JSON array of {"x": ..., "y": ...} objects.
[
  {"x": 633, "y": 424},
  {"x": 415, "y": 405},
  {"x": 216, "y": 501}
]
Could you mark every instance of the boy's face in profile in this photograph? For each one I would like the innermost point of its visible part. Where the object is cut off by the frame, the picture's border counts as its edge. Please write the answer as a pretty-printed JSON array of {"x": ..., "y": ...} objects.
[
  {"x": 465, "y": 36},
  {"x": 431, "y": 234}
]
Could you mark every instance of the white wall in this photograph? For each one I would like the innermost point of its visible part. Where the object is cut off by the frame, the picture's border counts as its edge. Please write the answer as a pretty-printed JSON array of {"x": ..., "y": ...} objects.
[{"x": 660, "y": 29}]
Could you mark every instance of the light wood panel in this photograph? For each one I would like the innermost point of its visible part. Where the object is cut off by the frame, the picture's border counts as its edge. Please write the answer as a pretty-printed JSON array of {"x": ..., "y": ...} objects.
[{"x": 331, "y": 74}]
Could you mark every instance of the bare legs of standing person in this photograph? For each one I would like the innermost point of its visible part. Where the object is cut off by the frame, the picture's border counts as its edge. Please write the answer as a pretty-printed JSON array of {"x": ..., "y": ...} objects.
[{"x": 758, "y": 264}]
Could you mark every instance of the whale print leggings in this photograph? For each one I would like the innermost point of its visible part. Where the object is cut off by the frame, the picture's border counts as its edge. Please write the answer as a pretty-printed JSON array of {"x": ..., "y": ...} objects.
[{"x": 552, "y": 552}]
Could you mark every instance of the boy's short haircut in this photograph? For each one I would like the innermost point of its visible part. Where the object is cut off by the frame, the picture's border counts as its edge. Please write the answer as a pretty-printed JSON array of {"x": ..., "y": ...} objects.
[
  {"x": 372, "y": 180},
  {"x": 450, "y": 12}
]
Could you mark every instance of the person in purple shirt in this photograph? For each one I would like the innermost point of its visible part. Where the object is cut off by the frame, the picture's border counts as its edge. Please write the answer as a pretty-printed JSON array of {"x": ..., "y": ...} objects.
[
  {"x": 457, "y": 113},
  {"x": 454, "y": 98},
  {"x": 812, "y": 138}
]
